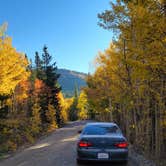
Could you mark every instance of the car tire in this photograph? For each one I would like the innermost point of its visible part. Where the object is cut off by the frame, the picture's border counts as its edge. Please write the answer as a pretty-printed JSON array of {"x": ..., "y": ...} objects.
[
  {"x": 79, "y": 162},
  {"x": 125, "y": 163}
]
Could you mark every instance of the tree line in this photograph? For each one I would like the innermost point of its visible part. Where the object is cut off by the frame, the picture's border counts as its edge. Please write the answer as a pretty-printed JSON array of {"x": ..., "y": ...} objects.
[
  {"x": 31, "y": 101},
  {"x": 129, "y": 83}
]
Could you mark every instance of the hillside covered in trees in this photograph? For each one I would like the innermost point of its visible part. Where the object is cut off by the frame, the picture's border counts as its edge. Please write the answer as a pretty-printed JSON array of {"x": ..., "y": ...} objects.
[{"x": 69, "y": 80}]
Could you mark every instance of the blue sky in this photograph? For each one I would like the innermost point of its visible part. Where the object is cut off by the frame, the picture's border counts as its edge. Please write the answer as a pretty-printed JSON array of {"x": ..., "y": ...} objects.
[{"x": 68, "y": 27}]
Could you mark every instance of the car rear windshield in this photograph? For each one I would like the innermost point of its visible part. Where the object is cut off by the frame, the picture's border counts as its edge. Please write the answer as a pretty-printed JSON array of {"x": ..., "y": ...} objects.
[{"x": 100, "y": 130}]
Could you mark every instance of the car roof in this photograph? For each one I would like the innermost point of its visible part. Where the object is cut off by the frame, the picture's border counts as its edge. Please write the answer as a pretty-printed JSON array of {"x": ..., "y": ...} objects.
[{"x": 101, "y": 124}]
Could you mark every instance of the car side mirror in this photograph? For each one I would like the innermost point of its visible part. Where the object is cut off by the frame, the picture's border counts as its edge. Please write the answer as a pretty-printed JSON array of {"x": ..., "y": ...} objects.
[{"x": 79, "y": 131}]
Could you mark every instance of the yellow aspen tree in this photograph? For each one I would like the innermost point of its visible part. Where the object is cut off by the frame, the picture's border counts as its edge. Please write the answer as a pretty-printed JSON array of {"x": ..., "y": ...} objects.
[
  {"x": 13, "y": 66},
  {"x": 82, "y": 106},
  {"x": 50, "y": 115},
  {"x": 63, "y": 108}
]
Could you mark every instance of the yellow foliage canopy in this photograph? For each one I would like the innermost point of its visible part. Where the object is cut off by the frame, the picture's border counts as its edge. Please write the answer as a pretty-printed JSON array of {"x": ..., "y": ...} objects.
[{"x": 13, "y": 66}]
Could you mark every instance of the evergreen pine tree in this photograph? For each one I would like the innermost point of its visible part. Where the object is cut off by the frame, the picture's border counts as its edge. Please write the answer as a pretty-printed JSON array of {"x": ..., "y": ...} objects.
[
  {"x": 47, "y": 72},
  {"x": 38, "y": 66}
]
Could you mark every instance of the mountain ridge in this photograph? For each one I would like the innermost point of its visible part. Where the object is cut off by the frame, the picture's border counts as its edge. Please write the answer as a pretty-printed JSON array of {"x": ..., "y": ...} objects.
[{"x": 70, "y": 80}]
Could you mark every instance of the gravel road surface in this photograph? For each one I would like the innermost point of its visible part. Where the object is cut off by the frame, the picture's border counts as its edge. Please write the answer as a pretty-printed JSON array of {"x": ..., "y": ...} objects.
[{"x": 57, "y": 149}]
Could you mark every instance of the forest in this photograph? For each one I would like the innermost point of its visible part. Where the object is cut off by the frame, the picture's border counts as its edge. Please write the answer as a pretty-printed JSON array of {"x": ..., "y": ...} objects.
[
  {"x": 128, "y": 85},
  {"x": 31, "y": 99}
]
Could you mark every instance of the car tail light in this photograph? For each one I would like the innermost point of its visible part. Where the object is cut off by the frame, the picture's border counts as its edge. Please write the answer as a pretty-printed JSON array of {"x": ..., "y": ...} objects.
[
  {"x": 122, "y": 145},
  {"x": 84, "y": 144}
]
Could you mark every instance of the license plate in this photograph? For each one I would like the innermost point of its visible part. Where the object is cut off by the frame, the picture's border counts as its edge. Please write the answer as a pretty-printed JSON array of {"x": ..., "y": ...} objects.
[{"x": 102, "y": 156}]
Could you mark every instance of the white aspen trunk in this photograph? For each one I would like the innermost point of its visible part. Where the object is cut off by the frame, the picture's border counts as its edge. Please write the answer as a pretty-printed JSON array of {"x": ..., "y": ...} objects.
[{"x": 110, "y": 108}]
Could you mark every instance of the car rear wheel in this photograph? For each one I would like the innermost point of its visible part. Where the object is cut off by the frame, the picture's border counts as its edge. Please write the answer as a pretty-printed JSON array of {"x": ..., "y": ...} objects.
[
  {"x": 79, "y": 162},
  {"x": 124, "y": 163}
]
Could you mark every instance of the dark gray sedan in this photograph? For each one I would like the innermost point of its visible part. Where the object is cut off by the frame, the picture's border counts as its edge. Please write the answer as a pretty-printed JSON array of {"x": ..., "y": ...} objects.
[{"x": 102, "y": 142}]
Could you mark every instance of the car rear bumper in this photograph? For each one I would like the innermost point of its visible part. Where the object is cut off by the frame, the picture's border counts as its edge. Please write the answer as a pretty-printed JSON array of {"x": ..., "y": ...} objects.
[{"x": 115, "y": 155}]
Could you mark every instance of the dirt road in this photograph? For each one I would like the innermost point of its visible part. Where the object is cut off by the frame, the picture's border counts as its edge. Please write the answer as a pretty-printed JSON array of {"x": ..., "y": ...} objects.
[{"x": 58, "y": 149}]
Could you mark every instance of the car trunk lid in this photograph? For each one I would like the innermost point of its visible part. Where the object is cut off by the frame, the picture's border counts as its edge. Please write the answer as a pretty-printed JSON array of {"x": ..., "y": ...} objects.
[{"x": 104, "y": 141}]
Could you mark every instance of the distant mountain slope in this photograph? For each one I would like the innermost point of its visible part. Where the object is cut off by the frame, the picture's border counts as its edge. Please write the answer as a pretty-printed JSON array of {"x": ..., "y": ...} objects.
[{"x": 69, "y": 79}]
